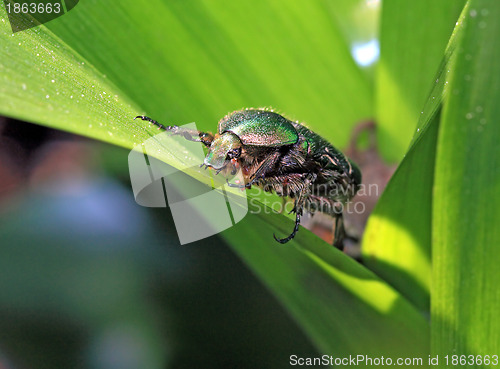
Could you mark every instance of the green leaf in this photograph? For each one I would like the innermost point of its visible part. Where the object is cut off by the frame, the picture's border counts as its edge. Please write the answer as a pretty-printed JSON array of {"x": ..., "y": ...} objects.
[
  {"x": 342, "y": 306},
  {"x": 45, "y": 81},
  {"x": 413, "y": 36},
  {"x": 83, "y": 76},
  {"x": 194, "y": 61},
  {"x": 397, "y": 240},
  {"x": 466, "y": 208}
]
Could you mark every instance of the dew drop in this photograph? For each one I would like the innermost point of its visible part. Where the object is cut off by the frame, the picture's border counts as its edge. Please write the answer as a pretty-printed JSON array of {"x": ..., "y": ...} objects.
[
  {"x": 53, "y": 81},
  {"x": 469, "y": 115},
  {"x": 479, "y": 109},
  {"x": 47, "y": 96},
  {"x": 473, "y": 13}
]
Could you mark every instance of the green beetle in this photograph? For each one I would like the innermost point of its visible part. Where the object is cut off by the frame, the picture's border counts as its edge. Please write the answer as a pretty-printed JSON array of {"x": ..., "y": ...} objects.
[{"x": 280, "y": 156}]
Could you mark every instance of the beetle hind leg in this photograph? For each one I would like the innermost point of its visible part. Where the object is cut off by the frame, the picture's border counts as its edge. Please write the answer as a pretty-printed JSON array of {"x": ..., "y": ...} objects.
[
  {"x": 339, "y": 236},
  {"x": 294, "y": 232}
]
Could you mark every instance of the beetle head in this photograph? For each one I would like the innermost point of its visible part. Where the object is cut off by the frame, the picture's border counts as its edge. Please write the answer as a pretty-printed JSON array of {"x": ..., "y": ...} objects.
[{"x": 223, "y": 148}]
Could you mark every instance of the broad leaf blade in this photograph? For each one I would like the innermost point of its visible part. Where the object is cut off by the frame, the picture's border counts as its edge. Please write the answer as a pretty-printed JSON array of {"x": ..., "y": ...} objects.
[
  {"x": 194, "y": 61},
  {"x": 397, "y": 241},
  {"x": 45, "y": 81},
  {"x": 344, "y": 308},
  {"x": 465, "y": 294},
  {"x": 413, "y": 36}
]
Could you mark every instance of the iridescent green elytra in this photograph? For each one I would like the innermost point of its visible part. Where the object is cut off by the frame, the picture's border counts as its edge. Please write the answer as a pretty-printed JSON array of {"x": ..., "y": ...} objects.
[{"x": 281, "y": 156}]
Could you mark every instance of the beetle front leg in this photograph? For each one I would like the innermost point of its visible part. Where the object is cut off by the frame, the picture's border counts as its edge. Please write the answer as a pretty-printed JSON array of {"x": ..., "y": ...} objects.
[
  {"x": 266, "y": 165},
  {"x": 205, "y": 138},
  {"x": 260, "y": 172}
]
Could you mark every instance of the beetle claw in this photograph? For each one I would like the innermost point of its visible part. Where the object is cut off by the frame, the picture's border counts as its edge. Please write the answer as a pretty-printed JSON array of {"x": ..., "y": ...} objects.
[{"x": 282, "y": 240}]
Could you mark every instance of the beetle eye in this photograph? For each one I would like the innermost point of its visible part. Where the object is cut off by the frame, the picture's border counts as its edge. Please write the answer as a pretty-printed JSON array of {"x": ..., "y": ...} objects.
[{"x": 234, "y": 153}]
